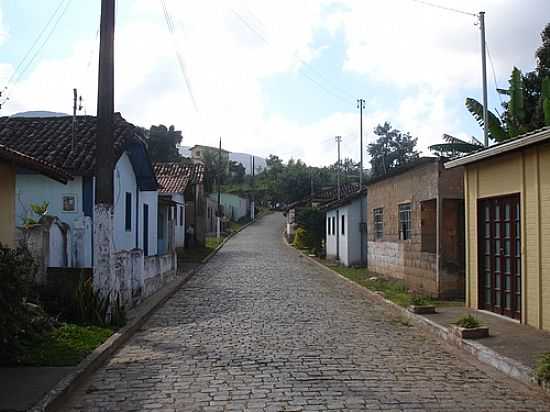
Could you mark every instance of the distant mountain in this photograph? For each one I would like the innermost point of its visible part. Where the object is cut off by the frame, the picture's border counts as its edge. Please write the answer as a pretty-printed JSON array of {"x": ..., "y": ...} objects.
[
  {"x": 243, "y": 158},
  {"x": 39, "y": 113}
]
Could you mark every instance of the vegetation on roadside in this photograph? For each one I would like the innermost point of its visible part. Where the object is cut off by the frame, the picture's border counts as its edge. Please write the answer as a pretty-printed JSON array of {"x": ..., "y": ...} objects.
[
  {"x": 542, "y": 369},
  {"x": 468, "y": 322},
  {"x": 66, "y": 345}
]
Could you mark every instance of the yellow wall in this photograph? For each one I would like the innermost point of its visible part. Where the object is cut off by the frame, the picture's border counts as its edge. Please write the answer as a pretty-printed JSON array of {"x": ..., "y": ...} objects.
[
  {"x": 7, "y": 204},
  {"x": 526, "y": 172}
]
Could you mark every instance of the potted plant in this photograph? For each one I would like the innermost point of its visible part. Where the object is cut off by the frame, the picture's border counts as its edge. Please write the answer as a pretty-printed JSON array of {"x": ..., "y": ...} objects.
[
  {"x": 421, "y": 305},
  {"x": 469, "y": 327}
]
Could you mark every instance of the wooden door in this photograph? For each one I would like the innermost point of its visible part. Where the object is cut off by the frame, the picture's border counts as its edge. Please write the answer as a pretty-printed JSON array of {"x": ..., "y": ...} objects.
[{"x": 499, "y": 255}]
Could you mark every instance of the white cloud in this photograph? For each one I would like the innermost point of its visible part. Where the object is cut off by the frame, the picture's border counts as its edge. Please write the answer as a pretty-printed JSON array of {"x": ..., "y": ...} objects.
[{"x": 429, "y": 56}]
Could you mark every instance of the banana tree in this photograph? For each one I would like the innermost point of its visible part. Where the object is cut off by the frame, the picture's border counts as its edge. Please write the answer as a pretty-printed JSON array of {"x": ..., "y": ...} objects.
[
  {"x": 545, "y": 96},
  {"x": 455, "y": 147}
]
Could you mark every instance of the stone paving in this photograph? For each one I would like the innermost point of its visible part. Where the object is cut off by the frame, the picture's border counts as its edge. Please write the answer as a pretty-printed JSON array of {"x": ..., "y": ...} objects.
[{"x": 261, "y": 329}]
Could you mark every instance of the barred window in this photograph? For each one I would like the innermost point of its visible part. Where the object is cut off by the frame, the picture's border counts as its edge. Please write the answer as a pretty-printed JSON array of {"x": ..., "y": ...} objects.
[
  {"x": 378, "y": 218},
  {"x": 405, "y": 221}
]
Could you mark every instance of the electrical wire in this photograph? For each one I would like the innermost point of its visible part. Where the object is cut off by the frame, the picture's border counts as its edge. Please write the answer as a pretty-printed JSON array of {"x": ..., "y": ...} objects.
[
  {"x": 439, "y": 6},
  {"x": 494, "y": 72},
  {"x": 309, "y": 77},
  {"x": 181, "y": 62},
  {"x": 306, "y": 64},
  {"x": 41, "y": 47}
]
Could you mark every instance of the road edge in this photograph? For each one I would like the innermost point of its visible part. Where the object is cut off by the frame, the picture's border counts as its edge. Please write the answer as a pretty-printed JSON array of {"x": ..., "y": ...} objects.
[
  {"x": 473, "y": 349},
  {"x": 57, "y": 397}
]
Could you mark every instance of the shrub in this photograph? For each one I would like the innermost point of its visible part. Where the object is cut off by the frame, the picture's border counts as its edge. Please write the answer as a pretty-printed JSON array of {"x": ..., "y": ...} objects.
[
  {"x": 312, "y": 221},
  {"x": 468, "y": 322},
  {"x": 542, "y": 370},
  {"x": 18, "y": 320},
  {"x": 300, "y": 238}
]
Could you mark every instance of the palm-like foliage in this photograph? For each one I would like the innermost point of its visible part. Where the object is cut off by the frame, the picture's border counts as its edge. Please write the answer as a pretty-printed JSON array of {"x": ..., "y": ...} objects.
[
  {"x": 496, "y": 129},
  {"x": 455, "y": 147}
]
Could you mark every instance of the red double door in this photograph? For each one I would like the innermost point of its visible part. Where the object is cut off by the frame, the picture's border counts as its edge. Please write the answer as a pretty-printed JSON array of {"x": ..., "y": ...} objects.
[{"x": 499, "y": 255}]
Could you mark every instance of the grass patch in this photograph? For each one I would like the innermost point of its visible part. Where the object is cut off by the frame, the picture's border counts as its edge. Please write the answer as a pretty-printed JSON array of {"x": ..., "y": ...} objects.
[
  {"x": 64, "y": 346},
  {"x": 468, "y": 322},
  {"x": 394, "y": 289},
  {"x": 542, "y": 370}
]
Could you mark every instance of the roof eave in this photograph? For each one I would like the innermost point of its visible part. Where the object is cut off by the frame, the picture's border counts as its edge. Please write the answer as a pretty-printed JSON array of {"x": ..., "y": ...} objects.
[{"x": 508, "y": 147}]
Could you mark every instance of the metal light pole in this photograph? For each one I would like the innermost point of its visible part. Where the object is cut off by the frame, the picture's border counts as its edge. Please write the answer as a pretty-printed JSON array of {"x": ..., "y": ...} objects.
[
  {"x": 361, "y": 106},
  {"x": 338, "y": 141},
  {"x": 484, "y": 77}
]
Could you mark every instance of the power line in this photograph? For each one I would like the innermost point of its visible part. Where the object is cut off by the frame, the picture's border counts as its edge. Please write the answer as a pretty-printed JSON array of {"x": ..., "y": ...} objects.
[
  {"x": 42, "y": 45},
  {"x": 439, "y": 6},
  {"x": 494, "y": 72},
  {"x": 310, "y": 78},
  {"x": 181, "y": 62},
  {"x": 308, "y": 65}
]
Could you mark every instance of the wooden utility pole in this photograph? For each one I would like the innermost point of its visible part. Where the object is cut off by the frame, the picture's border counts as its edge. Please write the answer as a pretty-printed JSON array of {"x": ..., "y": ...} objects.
[
  {"x": 103, "y": 211},
  {"x": 253, "y": 208},
  {"x": 338, "y": 167}
]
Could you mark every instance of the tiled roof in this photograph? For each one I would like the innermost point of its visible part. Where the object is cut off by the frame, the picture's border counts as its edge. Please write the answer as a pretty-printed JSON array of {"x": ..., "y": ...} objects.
[
  {"x": 327, "y": 195},
  {"x": 49, "y": 139},
  {"x": 174, "y": 177},
  {"x": 23, "y": 160},
  {"x": 345, "y": 199}
]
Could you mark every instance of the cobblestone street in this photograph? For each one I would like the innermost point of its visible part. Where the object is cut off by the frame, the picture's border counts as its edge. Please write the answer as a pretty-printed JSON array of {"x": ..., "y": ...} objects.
[{"x": 260, "y": 328}]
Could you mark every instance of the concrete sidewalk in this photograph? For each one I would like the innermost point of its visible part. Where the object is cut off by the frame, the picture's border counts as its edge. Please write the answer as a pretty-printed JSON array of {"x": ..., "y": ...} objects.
[
  {"x": 23, "y": 387},
  {"x": 509, "y": 338}
]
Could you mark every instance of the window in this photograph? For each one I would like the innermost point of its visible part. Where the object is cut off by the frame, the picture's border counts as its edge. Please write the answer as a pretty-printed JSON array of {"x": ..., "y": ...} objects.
[
  {"x": 378, "y": 220},
  {"x": 181, "y": 215},
  {"x": 405, "y": 221},
  {"x": 69, "y": 203},
  {"x": 128, "y": 216},
  {"x": 343, "y": 225},
  {"x": 328, "y": 226},
  {"x": 333, "y": 225}
]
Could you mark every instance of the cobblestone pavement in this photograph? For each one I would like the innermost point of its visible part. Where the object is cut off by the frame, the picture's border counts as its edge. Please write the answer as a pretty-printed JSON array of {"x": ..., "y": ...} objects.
[{"x": 260, "y": 328}]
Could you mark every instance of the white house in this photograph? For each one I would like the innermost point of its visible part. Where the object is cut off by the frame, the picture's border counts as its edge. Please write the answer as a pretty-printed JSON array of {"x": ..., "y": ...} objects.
[
  {"x": 344, "y": 230},
  {"x": 135, "y": 187},
  {"x": 176, "y": 181}
]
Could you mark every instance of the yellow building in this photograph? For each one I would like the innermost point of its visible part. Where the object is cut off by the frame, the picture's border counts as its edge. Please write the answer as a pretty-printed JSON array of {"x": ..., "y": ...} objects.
[
  {"x": 9, "y": 161},
  {"x": 507, "y": 197}
]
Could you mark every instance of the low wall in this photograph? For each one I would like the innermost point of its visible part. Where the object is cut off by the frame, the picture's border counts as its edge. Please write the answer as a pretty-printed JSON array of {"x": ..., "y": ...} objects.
[
  {"x": 158, "y": 270},
  {"x": 400, "y": 260}
]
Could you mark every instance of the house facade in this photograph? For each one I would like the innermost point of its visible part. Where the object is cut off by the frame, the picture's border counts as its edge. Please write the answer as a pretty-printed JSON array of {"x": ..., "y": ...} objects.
[
  {"x": 234, "y": 207},
  {"x": 343, "y": 230},
  {"x": 135, "y": 186},
  {"x": 507, "y": 194},
  {"x": 416, "y": 227},
  {"x": 10, "y": 160}
]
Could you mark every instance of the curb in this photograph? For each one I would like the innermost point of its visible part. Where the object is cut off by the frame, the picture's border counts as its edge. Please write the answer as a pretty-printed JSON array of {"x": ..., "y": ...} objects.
[
  {"x": 56, "y": 397},
  {"x": 483, "y": 354}
]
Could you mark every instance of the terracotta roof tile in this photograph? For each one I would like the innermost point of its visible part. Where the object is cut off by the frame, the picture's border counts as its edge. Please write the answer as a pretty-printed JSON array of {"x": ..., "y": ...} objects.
[
  {"x": 174, "y": 177},
  {"x": 23, "y": 160},
  {"x": 49, "y": 139}
]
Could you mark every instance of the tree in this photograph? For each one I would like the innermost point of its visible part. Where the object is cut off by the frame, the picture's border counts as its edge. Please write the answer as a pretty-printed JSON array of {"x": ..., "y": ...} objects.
[
  {"x": 528, "y": 105},
  {"x": 236, "y": 172},
  {"x": 216, "y": 168},
  {"x": 391, "y": 150},
  {"x": 163, "y": 143},
  {"x": 454, "y": 147}
]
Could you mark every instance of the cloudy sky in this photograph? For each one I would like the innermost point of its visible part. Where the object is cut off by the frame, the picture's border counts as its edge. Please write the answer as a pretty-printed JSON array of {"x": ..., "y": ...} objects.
[{"x": 277, "y": 77}]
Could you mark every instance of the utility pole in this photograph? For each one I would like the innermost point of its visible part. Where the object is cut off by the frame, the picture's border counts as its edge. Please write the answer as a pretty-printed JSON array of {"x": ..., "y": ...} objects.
[
  {"x": 253, "y": 207},
  {"x": 484, "y": 77},
  {"x": 103, "y": 217},
  {"x": 338, "y": 141},
  {"x": 75, "y": 100},
  {"x": 218, "y": 178},
  {"x": 362, "y": 226}
]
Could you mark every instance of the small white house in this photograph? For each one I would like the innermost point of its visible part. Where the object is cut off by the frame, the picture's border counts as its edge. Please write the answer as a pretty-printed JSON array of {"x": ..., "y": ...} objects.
[
  {"x": 135, "y": 187},
  {"x": 235, "y": 207},
  {"x": 343, "y": 229}
]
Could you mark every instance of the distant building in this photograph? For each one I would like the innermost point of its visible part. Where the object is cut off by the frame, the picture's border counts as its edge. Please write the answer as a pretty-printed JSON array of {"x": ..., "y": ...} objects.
[
  {"x": 343, "y": 228},
  {"x": 200, "y": 152}
]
